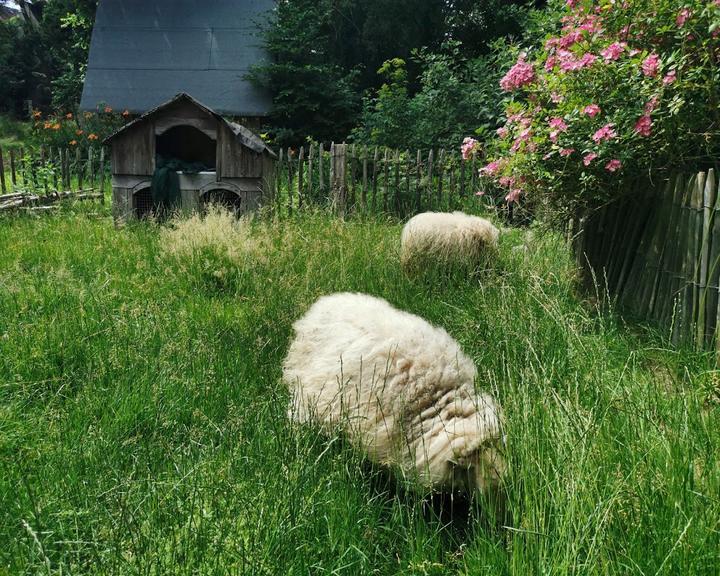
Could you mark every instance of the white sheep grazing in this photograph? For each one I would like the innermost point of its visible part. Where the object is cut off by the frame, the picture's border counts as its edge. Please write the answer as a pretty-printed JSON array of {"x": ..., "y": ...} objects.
[
  {"x": 399, "y": 388},
  {"x": 446, "y": 239}
]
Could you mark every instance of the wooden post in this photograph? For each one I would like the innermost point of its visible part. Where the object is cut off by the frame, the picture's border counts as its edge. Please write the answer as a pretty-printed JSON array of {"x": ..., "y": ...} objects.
[
  {"x": 365, "y": 179},
  {"x": 351, "y": 183},
  {"x": 309, "y": 186},
  {"x": 13, "y": 176},
  {"x": 708, "y": 201},
  {"x": 398, "y": 199},
  {"x": 3, "y": 186},
  {"x": 102, "y": 175},
  {"x": 321, "y": 172},
  {"x": 386, "y": 188},
  {"x": 374, "y": 179},
  {"x": 301, "y": 162},
  {"x": 408, "y": 174},
  {"x": 290, "y": 182},
  {"x": 79, "y": 168},
  {"x": 440, "y": 173},
  {"x": 331, "y": 187},
  {"x": 91, "y": 166},
  {"x": 431, "y": 158},
  {"x": 339, "y": 183}
]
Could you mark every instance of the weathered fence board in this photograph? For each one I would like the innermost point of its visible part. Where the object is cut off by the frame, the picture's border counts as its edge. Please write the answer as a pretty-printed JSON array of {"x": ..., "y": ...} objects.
[{"x": 658, "y": 255}]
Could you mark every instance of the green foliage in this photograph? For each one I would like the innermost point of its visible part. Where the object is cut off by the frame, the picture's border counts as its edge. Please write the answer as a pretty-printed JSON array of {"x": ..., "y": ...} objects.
[
  {"x": 618, "y": 92},
  {"x": 143, "y": 423},
  {"x": 43, "y": 58},
  {"x": 456, "y": 97},
  {"x": 326, "y": 54}
]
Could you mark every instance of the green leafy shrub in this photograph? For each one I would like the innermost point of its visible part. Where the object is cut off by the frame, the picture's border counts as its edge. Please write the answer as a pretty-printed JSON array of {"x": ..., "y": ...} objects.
[{"x": 619, "y": 90}]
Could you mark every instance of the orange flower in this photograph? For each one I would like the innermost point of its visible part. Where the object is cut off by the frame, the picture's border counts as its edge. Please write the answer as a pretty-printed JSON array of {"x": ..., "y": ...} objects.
[
  {"x": 73, "y": 142},
  {"x": 108, "y": 109},
  {"x": 37, "y": 114},
  {"x": 79, "y": 132},
  {"x": 69, "y": 115},
  {"x": 126, "y": 113},
  {"x": 56, "y": 126},
  {"x": 92, "y": 137},
  {"x": 47, "y": 125}
]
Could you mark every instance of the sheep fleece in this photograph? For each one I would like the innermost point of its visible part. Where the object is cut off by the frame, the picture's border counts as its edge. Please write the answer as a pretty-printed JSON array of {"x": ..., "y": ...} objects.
[
  {"x": 400, "y": 389},
  {"x": 443, "y": 235}
]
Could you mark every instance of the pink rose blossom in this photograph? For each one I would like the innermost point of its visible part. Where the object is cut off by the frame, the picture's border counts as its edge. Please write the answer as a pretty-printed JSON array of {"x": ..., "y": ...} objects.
[
  {"x": 558, "y": 123},
  {"x": 502, "y": 132},
  {"x": 513, "y": 195},
  {"x": 571, "y": 39},
  {"x": 492, "y": 168},
  {"x": 550, "y": 63},
  {"x": 566, "y": 151},
  {"x": 589, "y": 158},
  {"x": 670, "y": 77},
  {"x": 521, "y": 74},
  {"x": 591, "y": 110},
  {"x": 683, "y": 17},
  {"x": 605, "y": 133},
  {"x": 469, "y": 147},
  {"x": 643, "y": 125},
  {"x": 506, "y": 181},
  {"x": 613, "y": 165},
  {"x": 651, "y": 105},
  {"x": 613, "y": 51},
  {"x": 650, "y": 65}
]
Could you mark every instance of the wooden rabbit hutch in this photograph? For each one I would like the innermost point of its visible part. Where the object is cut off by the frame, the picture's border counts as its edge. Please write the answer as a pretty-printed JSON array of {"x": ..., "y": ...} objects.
[{"x": 230, "y": 164}]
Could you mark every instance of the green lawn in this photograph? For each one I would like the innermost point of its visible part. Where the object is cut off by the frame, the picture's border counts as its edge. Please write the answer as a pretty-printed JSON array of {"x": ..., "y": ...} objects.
[{"x": 143, "y": 428}]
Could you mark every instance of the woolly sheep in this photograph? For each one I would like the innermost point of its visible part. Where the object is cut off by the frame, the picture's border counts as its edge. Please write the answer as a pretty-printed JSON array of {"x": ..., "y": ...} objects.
[
  {"x": 400, "y": 389},
  {"x": 447, "y": 239}
]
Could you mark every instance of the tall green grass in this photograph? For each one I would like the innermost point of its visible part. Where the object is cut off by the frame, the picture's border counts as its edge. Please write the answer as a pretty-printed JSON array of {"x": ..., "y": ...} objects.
[{"x": 143, "y": 422}]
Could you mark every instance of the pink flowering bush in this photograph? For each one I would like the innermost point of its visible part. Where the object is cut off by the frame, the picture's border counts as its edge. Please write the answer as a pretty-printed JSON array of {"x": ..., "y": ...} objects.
[{"x": 618, "y": 91}]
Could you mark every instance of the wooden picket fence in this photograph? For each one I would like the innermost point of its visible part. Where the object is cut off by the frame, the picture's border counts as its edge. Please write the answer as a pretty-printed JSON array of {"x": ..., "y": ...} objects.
[
  {"x": 658, "y": 255},
  {"x": 39, "y": 179},
  {"x": 360, "y": 179}
]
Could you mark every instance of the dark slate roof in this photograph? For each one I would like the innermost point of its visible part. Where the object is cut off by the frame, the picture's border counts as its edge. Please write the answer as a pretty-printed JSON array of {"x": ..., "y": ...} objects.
[
  {"x": 7, "y": 12},
  {"x": 143, "y": 52},
  {"x": 245, "y": 136}
]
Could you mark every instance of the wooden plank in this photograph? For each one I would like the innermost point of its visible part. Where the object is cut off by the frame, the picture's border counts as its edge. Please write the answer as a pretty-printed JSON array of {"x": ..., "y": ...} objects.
[
  {"x": 440, "y": 175},
  {"x": 101, "y": 169},
  {"x": 310, "y": 166},
  {"x": 290, "y": 174},
  {"x": 365, "y": 178},
  {"x": 374, "y": 179},
  {"x": 645, "y": 279},
  {"x": 703, "y": 332},
  {"x": 3, "y": 185},
  {"x": 351, "y": 183},
  {"x": 331, "y": 188},
  {"x": 79, "y": 168},
  {"x": 408, "y": 176},
  {"x": 430, "y": 161},
  {"x": 91, "y": 166},
  {"x": 321, "y": 177},
  {"x": 398, "y": 194},
  {"x": 13, "y": 175},
  {"x": 668, "y": 290},
  {"x": 300, "y": 168},
  {"x": 386, "y": 187}
]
